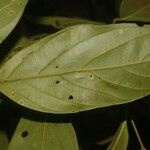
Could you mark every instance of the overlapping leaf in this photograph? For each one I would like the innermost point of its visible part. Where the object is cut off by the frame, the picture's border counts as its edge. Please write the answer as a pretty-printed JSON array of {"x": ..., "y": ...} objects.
[
  {"x": 10, "y": 13},
  {"x": 34, "y": 135},
  {"x": 135, "y": 10},
  {"x": 60, "y": 22},
  {"x": 80, "y": 68},
  {"x": 121, "y": 138},
  {"x": 19, "y": 45},
  {"x": 3, "y": 141}
]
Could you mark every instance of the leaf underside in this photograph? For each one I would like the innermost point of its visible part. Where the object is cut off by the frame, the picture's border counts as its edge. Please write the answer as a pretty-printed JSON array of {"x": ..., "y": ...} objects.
[
  {"x": 10, "y": 13},
  {"x": 34, "y": 135},
  {"x": 121, "y": 138},
  {"x": 135, "y": 10},
  {"x": 60, "y": 22},
  {"x": 80, "y": 68}
]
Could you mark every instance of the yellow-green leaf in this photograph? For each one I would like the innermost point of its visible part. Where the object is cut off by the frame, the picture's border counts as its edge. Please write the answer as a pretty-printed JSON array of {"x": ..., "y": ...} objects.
[
  {"x": 80, "y": 68},
  {"x": 21, "y": 43},
  {"x": 34, "y": 135},
  {"x": 10, "y": 13},
  {"x": 135, "y": 10},
  {"x": 121, "y": 138},
  {"x": 60, "y": 22}
]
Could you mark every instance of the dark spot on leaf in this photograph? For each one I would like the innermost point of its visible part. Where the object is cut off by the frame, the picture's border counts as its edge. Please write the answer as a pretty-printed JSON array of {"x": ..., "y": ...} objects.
[
  {"x": 70, "y": 97},
  {"x": 99, "y": 77},
  {"x": 91, "y": 75},
  {"x": 24, "y": 134},
  {"x": 12, "y": 94},
  {"x": 57, "y": 82},
  {"x": 57, "y": 66},
  {"x": 11, "y": 12}
]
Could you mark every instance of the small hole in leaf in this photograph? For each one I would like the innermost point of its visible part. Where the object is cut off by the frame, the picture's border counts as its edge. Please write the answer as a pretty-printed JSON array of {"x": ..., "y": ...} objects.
[
  {"x": 70, "y": 97},
  {"x": 24, "y": 134},
  {"x": 57, "y": 82},
  {"x": 91, "y": 75}
]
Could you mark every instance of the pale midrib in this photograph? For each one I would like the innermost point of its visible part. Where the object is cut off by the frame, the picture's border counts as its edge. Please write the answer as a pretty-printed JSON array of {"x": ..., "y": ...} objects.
[
  {"x": 69, "y": 72},
  {"x": 120, "y": 133}
]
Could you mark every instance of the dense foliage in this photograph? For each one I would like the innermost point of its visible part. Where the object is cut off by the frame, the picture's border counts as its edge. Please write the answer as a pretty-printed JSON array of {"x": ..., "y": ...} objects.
[{"x": 74, "y": 75}]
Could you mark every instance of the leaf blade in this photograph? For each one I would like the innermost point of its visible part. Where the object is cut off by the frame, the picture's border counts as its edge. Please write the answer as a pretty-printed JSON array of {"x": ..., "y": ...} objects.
[
  {"x": 71, "y": 79},
  {"x": 135, "y": 10},
  {"x": 10, "y": 14},
  {"x": 121, "y": 138},
  {"x": 43, "y": 135}
]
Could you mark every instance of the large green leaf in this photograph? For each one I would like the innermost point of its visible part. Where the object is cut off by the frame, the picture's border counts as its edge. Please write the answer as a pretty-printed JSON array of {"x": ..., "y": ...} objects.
[
  {"x": 135, "y": 10},
  {"x": 80, "y": 68},
  {"x": 121, "y": 138},
  {"x": 10, "y": 13},
  {"x": 34, "y": 135},
  {"x": 60, "y": 22}
]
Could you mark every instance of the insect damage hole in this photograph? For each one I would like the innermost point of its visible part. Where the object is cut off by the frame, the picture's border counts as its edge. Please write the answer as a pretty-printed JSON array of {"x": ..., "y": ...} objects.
[
  {"x": 57, "y": 82},
  {"x": 24, "y": 134},
  {"x": 70, "y": 97},
  {"x": 91, "y": 76}
]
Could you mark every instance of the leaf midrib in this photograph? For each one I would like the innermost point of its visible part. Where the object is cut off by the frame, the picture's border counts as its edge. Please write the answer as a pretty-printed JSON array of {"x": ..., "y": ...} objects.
[{"x": 69, "y": 72}]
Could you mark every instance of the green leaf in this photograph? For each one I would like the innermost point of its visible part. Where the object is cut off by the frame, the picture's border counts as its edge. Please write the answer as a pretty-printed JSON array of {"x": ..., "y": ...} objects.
[
  {"x": 18, "y": 46},
  {"x": 80, "y": 68},
  {"x": 121, "y": 138},
  {"x": 33, "y": 135},
  {"x": 3, "y": 141},
  {"x": 60, "y": 22},
  {"x": 10, "y": 13},
  {"x": 135, "y": 10},
  {"x": 138, "y": 136}
]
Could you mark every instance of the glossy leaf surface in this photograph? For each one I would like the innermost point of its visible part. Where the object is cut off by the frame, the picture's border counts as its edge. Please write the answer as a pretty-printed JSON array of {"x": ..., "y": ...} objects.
[{"x": 80, "y": 68}]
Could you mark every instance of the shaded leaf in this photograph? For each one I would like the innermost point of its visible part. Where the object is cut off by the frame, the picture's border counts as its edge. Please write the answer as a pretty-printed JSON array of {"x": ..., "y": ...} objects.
[
  {"x": 20, "y": 44},
  {"x": 3, "y": 141},
  {"x": 80, "y": 68},
  {"x": 138, "y": 136},
  {"x": 120, "y": 140},
  {"x": 60, "y": 22},
  {"x": 35, "y": 135},
  {"x": 135, "y": 10},
  {"x": 10, "y": 13}
]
